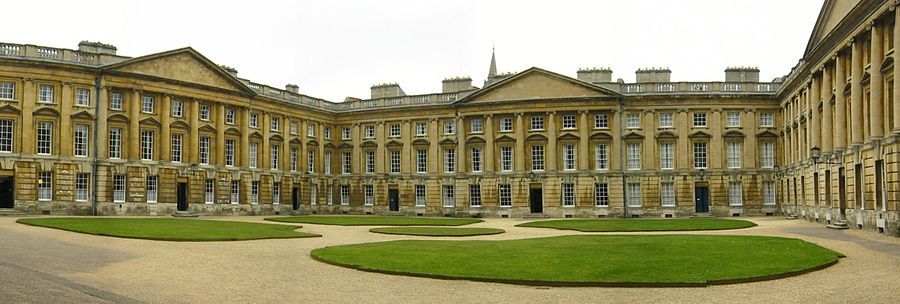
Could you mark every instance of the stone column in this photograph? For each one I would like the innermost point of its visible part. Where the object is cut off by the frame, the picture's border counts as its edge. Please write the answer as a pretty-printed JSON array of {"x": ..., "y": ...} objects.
[
  {"x": 356, "y": 155},
  {"x": 27, "y": 140},
  {"x": 265, "y": 158},
  {"x": 102, "y": 108},
  {"x": 436, "y": 156},
  {"x": 896, "y": 88},
  {"x": 407, "y": 154},
  {"x": 220, "y": 134},
  {"x": 876, "y": 90},
  {"x": 827, "y": 127},
  {"x": 380, "y": 152},
  {"x": 245, "y": 138},
  {"x": 194, "y": 143},
  {"x": 66, "y": 130},
  {"x": 840, "y": 104},
  {"x": 519, "y": 154},
  {"x": 815, "y": 126},
  {"x": 462, "y": 152},
  {"x": 584, "y": 134},
  {"x": 857, "y": 123},
  {"x": 489, "y": 144},
  {"x": 286, "y": 144},
  {"x": 165, "y": 132},
  {"x": 134, "y": 127},
  {"x": 551, "y": 158}
]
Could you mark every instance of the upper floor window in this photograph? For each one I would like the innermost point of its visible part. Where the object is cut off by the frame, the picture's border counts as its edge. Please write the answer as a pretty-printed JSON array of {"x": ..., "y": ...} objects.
[
  {"x": 148, "y": 104},
  {"x": 45, "y": 138},
  {"x": 177, "y": 108},
  {"x": 204, "y": 112},
  {"x": 666, "y": 120},
  {"x": 7, "y": 130},
  {"x": 449, "y": 127},
  {"x": 229, "y": 116},
  {"x": 146, "y": 144},
  {"x": 7, "y": 90},
  {"x": 45, "y": 93},
  {"x": 734, "y": 154},
  {"x": 275, "y": 124},
  {"x": 537, "y": 122},
  {"x": 767, "y": 154},
  {"x": 345, "y": 133},
  {"x": 568, "y": 157},
  {"x": 370, "y": 131},
  {"x": 601, "y": 157},
  {"x": 327, "y": 132},
  {"x": 294, "y": 127},
  {"x": 666, "y": 156},
  {"x": 421, "y": 129},
  {"x": 632, "y": 121},
  {"x": 633, "y": 156},
  {"x": 475, "y": 125},
  {"x": 733, "y": 119},
  {"x": 700, "y": 155},
  {"x": 116, "y": 100},
  {"x": 395, "y": 130},
  {"x": 254, "y": 120},
  {"x": 506, "y": 159},
  {"x": 506, "y": 124},
  {"x": 568, "y": 122},
  {"x": 311, "y": 130},
  {"x": 766, "y": 120},
  {"x": 81, "y": 140},
  {"x": 82, "y": 97},
  {"x": 601, "y": 121},
  {"x": 699, "y": 120},
  {"x": 537, "y": 158},
  {"x": 449, "y": 160}
]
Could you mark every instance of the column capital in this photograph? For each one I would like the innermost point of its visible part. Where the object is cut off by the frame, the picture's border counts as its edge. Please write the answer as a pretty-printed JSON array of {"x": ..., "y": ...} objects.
[{"x": 583, "y": 111}]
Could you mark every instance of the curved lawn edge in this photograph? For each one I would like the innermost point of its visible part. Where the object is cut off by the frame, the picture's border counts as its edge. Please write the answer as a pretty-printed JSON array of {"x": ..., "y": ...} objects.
[
  {"x": 528, "y": 225},
  {"x": 305, "y": 235},
  {"x": 584, "y": 284},
  {"x": 298, "y": 219},
  {"x": 487, "y": 231}
]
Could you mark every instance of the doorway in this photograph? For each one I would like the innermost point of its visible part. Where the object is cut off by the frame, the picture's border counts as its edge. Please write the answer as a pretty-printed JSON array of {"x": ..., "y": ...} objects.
[
  {"x": 7, "y": 190},
  {"x": 842, "y": 192},
  {"x": 536, "y": 198},
  {"x": 182, "y": 197},
  {"x": 295, "y": 198},
  {"x": 701, "y": 198},
  {"x": 393, "y": 200}
]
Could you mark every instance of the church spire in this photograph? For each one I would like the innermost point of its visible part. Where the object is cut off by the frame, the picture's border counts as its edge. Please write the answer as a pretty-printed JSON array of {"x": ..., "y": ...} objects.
[{"x": 493, "y": 70}]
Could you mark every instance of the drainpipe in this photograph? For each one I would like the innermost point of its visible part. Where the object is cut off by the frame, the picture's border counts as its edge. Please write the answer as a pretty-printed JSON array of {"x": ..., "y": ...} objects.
[
  {"x": 96, "y": 144},
  {"x": 622, "y": 158}
]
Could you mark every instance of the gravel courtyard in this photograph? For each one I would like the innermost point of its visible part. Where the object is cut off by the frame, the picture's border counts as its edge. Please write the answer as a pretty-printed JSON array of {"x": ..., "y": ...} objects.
[{"x": 47, "y": 265}]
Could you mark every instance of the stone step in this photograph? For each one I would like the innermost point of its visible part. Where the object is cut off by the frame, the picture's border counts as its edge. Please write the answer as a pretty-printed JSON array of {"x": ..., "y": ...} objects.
[
  {"x": 184, "y": 214},
  {"x": 838, "y": 225},
  {"x": 702, "y": 214},
  {"x": 11, "y": 212},
  {"x": 536, "y": 215},
  {"x": 791, "y": 217}
]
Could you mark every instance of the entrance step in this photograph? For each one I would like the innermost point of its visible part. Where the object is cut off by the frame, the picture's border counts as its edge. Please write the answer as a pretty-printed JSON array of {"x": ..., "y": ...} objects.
[
  {"x": 791, "y": 217},
  {"x": 838, "y": 225},
  {"x": 702, "y": 214},
  {"x": 536, "y": 215},
  {"x": 184, "y": 214},
  {"x": 11, "y": 212},
  {"x": 395, "y": 213}
]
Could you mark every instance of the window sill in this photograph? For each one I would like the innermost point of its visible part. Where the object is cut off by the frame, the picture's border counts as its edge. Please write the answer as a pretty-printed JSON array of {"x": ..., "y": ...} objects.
[{"x": 602, "y": 206}]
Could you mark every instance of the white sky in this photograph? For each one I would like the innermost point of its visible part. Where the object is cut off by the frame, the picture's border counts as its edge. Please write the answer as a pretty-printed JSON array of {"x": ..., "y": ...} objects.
[{"x": 334, "y": 49}]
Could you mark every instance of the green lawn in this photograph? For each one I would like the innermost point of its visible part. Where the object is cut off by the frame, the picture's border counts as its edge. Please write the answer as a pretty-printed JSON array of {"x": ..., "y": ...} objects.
[
  {"x": 371, "y": 220},
  {"x": 589, "y": 260},
  {"x": 630, "y": 225},
  {"x": 167, "y": 229},
  {"x": 437, "y": 231}
]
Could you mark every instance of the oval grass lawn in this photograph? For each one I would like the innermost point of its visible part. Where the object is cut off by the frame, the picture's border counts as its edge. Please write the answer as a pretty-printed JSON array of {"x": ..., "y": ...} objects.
[
  {"x": 437, "y": 231},
  {"x": 590, "y": 260},
  {"x": 167, "y": 229},
  {"x": 373, "y": 220},
  {"x": 633, "y": 225}
]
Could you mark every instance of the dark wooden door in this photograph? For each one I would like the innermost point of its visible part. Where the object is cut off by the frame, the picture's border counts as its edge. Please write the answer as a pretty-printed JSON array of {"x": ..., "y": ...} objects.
[
  {"x": 7, "y": 186},
  {"x": 295, "y": 198},
  {"x": 701, "y": 196},
  {"x": 536, "y": 200},
  {"x": 394, "y": 199},
  {"x": 842, "y": 191},
  {"x": 182, "y": 197}
]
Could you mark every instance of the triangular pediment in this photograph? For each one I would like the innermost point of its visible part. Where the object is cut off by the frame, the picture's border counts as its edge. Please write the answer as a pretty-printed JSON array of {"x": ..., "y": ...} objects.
[
  {"x": 181, "y": 65},
  {"x": 536, "y": 83},
  {"x": 831, "y": 14}
]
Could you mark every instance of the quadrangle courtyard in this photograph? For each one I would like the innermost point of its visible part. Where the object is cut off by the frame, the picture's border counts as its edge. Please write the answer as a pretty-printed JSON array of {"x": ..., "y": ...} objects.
[{"x": 49, "y": 265}]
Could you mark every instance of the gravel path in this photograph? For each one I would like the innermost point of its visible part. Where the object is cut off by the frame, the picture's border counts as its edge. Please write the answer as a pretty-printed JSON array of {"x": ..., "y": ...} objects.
[{"x": 47, "y": 265}]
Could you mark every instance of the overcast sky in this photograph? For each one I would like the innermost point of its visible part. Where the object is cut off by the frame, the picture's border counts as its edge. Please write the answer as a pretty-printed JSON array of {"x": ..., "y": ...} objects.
[{"x": 334, "y": 49}]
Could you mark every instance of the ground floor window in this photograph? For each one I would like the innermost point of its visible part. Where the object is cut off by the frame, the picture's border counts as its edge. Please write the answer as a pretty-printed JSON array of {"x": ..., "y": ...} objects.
[
  {"x": 449, "y": 196},
  {"x": 568, "y": 194},
  {"x": 769, "y": 193},
  {"x": 735, "y": 194},
  {"x": 81, "y": 186},
  {"x": 235, "y": 191},
  {"x": 505, "y": 195},
  {"x": 369, "y": 193},
  {"x": 254, "y": 192},
  {"x": 276, "y": 193},
  {"x": 330, "y": 193},
  {"x": 45, "y": 185},
  {"x": 152, "y": 188},
  {"x": 209, "y": 193},
  {"x": 345, "y": 194},
  {"x": 601, "y": 195},
  {"x": 475, "y": 195},
  {"x": 667, "y": 194},
  {"x": 633, "y": 194},
  {"x": 118, "y": 188},
  {"x": 313, "y": 199},
  {"x": 420, "y": 195}
]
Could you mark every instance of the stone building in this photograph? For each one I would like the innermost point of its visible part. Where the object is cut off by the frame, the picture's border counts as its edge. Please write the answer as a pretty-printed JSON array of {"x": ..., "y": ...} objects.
[{"x": 90, "y": 131}]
